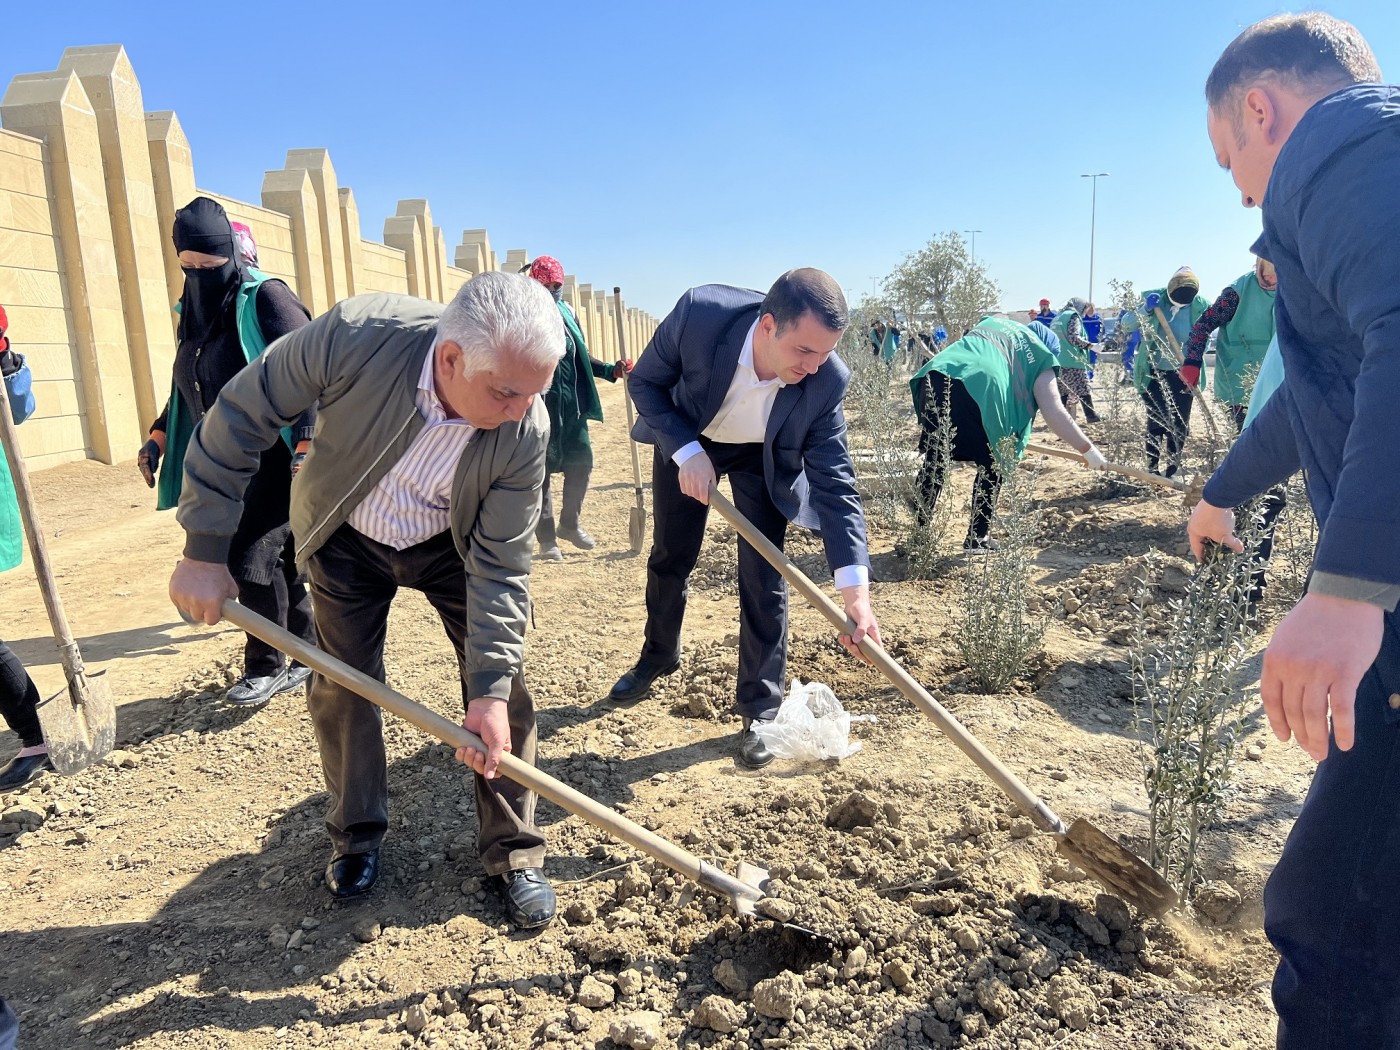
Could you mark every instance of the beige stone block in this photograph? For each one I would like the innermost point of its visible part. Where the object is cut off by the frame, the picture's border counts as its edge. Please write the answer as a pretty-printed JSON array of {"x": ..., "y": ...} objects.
[
  {"x": 351, "y": 241},
  {"x": 55, "y": 397},
  {"x": 477, "y": 243},
  {"x": 516, "y": 260},
  {"x": 405, "y": 233},
  {"x": 55, "y": 435},
  {"x": 20, "y": 211},
  {"x": 18, "y": 145},
  {"x": 21, "y": 174},
  {"x": 439, "y": 261},
  {"x": 112, "y": 88},
  {"x": 317, "y": 164},
  {"x": 571, "y": 291},
  {"x": 20, "y": 287},
  {"x": 422, "y": 272},
  {"x": 172, "y": 176},
  {"x": 49, "y": 358},
  {"x": 32, "y": 251},
  {"x": 291, "y": 193},
  {"x": 55, "y": 107}
]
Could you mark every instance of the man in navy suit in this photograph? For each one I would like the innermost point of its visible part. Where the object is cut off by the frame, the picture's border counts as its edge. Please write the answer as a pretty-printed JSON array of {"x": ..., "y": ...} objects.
[{"x": 748, "y": 385}]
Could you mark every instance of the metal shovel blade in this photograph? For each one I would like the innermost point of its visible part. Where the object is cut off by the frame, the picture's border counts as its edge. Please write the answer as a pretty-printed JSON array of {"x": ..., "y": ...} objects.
[
  {"x": 1118, "y": 869},
  {"x": 637, "y": 529},
  {"x": 79, "y": 723}
]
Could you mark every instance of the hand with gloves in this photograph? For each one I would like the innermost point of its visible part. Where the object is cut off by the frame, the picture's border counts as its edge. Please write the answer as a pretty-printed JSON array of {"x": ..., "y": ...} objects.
[
  {"x": 621, "y": 368},
  {"x": 1190, "y": 375},
  {"x": 148, "y": 459},
  {"x": 1152, "y": 301},
  {"x": 1094, "y": 459}
]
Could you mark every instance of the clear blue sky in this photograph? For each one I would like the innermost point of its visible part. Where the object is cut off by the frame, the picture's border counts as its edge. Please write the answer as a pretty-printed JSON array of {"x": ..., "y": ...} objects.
[{"x": 659, "y": 146}]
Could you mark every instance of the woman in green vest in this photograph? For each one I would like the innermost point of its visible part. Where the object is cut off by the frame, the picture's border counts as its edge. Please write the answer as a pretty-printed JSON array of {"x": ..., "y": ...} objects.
[
  {"x": 1076, "y": 358},
  {"x": 1243, "y": 316},
  {"x": 572, "y": 400},
  {"x": 987, "y": 387},
  {"x": 229, "y": 313},
  {"x": 19, "y": 697},
  {"x": 1157, "y": 364}
]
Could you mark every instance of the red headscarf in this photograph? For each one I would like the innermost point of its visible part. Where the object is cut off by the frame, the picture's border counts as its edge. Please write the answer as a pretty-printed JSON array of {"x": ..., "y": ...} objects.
[{"x": 547, "y": 270}]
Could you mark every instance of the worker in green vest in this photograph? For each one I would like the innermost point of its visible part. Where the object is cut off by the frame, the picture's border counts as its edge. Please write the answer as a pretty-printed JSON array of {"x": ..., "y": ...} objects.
[
  {"x": 1157, "y": 365},
  {"x": 1076, "y": 359},
  {"x": 986, "y": 389},
  {"x": 1243, "y": 317}
]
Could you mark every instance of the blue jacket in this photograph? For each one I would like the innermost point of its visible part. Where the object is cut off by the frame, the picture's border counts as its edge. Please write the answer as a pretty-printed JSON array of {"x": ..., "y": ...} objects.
[
  {"x": 1332, "y": 228},
  {"x": 679, "y": 384},
  {"x": 1093, "y": 327}
]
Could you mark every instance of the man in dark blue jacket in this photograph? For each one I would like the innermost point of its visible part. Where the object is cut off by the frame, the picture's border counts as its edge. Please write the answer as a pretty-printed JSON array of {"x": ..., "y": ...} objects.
[
  {"x": 745, "y": 384},
  {"x": 1297, "y": 114}
]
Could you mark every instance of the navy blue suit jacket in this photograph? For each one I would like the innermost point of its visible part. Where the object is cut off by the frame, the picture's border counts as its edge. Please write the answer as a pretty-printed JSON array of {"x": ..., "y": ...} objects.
[{"x": 679, "y": 384}]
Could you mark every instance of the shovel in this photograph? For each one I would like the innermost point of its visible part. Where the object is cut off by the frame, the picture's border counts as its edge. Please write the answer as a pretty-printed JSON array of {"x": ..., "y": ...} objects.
[
  {"x": 1175, "y": 484},
  {"x": 743, "y": 890},
  {"x": 80, "y": 723},
  {"x": 1091, "y": 849},
  {"x": 637, "y": 519}
]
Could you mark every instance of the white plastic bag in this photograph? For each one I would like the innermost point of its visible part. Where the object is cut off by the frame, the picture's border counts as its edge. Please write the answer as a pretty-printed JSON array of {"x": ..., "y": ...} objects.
[{"x": 811, "y": 725}]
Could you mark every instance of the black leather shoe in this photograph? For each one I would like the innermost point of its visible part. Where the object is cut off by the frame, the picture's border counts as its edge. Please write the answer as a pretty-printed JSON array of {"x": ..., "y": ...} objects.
[
  {"x": 352, "y": 874},
  {"x": 256, "y": 691},
  {"x": 578, "y": 538},
  {"x": 529, "y": 897},
  {"x": 21, "y": 770},
  {"x": 297, "y": 676},
  {"x": 753, "y": 752},
  {"x": 636, "y": 683}
]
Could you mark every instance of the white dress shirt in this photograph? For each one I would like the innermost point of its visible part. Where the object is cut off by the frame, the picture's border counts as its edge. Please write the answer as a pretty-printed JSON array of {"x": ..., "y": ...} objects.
[
  {"x": 743, "y": 419},
  {"x": 412, "y": 502}
]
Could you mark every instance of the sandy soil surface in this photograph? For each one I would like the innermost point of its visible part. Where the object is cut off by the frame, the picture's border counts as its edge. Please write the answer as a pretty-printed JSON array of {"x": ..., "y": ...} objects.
[{"x": 172, "y": 896}]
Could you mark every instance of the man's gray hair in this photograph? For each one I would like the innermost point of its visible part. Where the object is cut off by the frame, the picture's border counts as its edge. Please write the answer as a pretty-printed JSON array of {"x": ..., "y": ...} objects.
[
  {"x": 497, "y": 315},
  {"x": 1311, "y": 52}
]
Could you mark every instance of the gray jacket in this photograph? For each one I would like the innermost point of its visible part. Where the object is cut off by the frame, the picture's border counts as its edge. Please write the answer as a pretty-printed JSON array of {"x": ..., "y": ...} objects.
[{"x": 360, "y": 363}]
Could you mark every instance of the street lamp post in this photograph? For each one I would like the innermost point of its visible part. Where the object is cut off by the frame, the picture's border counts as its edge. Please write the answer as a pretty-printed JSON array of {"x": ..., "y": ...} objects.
[
  {"x": 1093, "y": 217},
  {"x": 974, "y": 234}
]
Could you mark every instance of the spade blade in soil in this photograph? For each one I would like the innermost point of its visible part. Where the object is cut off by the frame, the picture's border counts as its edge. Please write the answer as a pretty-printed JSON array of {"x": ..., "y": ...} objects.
[
  {"x": 637, "y": 529},
  {"x": 1118, "y": 869},
  {"x": 79, "y": 723}
]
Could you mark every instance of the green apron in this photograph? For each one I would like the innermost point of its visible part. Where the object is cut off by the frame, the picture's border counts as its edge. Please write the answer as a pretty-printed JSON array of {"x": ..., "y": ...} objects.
[{"x": 1241, "y": 345}]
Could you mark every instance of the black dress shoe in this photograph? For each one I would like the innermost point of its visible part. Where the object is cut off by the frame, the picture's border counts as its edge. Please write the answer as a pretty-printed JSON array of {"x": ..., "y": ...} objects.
[
  {"x": 297, "y": 676},
  {"x": 352, "y": 874},
  {"x": 753, "y": 752},
  {"x": 578, "y": 538},
  {"x": 529, "y": 897},
  {"x": 636, "y": 683},
  {"x": 22, "y": 769},
  {"x": 254, "y": 691}
]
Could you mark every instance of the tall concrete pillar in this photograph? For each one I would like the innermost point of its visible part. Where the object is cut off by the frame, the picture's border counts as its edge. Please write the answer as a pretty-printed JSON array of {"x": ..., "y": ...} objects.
[
  {"x": 440, "y": 263},
  {"x": 571, "y": 292},
  {"x": 469, "y": 257},
  {"x": 54, "y": 107},
  {"x": 291, "y": 193},
  {"x": 351, "y": 241},
  {"x": 115, "y": 95},
  {"x": 606, "y": 337},
  {"x": 172, "y": 177},
  {"x": 317, "y": 165},
  {"x": 516, "y": 260},
  {"x": 587, "y": 318},
  {"x": 417, "y": 212}
]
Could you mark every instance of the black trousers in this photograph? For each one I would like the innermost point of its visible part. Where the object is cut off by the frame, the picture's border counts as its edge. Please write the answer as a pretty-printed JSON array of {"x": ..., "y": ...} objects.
[
  {"x": 353, "y": 581},
  {"x": 1168, "y": 401},
  {"x": 677, "y": 535},
  {"x": 970, "y": 445},
  {"x": 575, "y": 487},
  {"x": 19, "y": 699},
  {"x": 287, "y": 603},
  {"x": 1271, "y": 504}
]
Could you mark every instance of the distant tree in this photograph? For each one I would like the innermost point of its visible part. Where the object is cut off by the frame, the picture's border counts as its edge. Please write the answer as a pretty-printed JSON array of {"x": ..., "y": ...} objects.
[{"x": 940, "y": 285}]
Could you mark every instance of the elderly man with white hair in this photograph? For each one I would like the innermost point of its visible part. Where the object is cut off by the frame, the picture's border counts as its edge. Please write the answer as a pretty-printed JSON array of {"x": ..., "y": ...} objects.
[{"x": 425, "y": 473}]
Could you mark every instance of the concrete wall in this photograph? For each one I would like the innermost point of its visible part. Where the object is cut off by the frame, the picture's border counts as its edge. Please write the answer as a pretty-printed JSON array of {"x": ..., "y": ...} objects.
[{"x": 89, "y": 185}]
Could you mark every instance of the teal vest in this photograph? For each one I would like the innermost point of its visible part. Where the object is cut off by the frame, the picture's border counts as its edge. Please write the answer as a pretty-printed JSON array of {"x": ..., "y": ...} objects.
[
  {"x": 180, "y": 420},
  {"x": 1070, "y": 355},
  {"x": 1240, "y": 345}
]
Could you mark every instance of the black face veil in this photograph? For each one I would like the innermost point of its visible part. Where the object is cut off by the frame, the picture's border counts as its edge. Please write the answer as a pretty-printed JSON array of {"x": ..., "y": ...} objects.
[{"x": 203, "y": 226}]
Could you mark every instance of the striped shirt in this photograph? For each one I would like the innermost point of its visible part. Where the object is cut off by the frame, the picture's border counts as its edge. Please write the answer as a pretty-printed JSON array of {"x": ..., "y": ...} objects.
[{"x": 412, "y": 502}]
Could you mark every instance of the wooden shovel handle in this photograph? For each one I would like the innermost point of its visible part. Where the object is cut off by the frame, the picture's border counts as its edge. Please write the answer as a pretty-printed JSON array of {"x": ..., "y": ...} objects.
[
  {"x": 894, "y": 671},
  {"x": 38, "y": 548},
  {"x": 677, "y": 859},
  {"x": 627, "y": 394},
  {"x": 1117, "y": 468}
]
